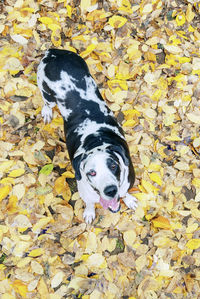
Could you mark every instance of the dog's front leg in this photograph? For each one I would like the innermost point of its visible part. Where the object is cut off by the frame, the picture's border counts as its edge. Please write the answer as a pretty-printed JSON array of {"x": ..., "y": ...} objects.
[
  {"x": 90, "y": 197},
  {"x": 130, "y": 201},
  {"x": 89, "y": 213}
]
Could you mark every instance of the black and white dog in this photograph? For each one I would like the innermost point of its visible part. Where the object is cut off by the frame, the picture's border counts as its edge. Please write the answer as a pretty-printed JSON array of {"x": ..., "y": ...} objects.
[{"x": 95, "y": 141}]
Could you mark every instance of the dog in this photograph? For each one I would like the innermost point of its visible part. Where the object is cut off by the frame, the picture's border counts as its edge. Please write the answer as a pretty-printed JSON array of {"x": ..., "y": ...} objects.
[{"x": 95, "y": 141}]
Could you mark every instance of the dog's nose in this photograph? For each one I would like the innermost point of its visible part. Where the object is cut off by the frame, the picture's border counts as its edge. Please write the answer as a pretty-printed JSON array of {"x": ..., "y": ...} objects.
[{"x": 110, "y": 190}]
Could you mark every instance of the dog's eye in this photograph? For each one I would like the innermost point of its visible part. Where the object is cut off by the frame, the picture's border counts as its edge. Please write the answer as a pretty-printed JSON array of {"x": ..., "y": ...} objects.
[
  {"x": 91, "y": 173},
  {"x": 113, "y": 166}
]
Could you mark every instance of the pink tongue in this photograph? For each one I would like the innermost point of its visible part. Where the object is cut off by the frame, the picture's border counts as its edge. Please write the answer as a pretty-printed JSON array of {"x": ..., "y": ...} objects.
[{"x": 113, "y": 203}]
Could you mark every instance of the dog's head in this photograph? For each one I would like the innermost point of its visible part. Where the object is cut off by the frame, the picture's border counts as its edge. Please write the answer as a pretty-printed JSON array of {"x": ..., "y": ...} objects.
[{"x": 106, "y": 172}]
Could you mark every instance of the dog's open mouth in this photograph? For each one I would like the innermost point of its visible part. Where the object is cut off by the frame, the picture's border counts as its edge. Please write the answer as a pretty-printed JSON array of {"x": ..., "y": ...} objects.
[{"x": 113, "y": 204}]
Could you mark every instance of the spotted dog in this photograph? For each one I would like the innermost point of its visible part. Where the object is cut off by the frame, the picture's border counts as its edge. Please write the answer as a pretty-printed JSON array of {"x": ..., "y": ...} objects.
[{"x": 95, "y": 141}]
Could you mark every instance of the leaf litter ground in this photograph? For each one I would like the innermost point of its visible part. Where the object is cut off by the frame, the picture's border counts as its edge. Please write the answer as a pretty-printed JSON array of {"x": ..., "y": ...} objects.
[{"x": 145, "y": 57}]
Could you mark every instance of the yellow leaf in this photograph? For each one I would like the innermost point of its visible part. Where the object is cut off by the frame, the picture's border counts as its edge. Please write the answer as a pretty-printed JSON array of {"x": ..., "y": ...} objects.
[
  {"x": 4, "y": 191},
  {"x": 193, "y": 244},
  {"x": 161, "y": 152},
  {"x": 172, "y": 137},
  {"x": 69, "y": 11},
  {"x": 196, "y": 182},
  {"x": 85, "y": 4},
  {"x": 54, "y": 27},
  {"x": 79, "y": 37},
  {"x": 123, "y": 72},
  {"x": 46, "y": 20},
  {"x": 186, "y": 98},
  {"x": 84, "y": 257},
  {"x": 58, "y": 121},
  {"x": 133, "y": 51},
  {"x": 89, "y": 49},
  {"x": 117, "y": 21},
  {"x": 68, "y": 174},
  {"x": 129, "y": 237},
  {"x": 131, "y": 112},
  {"x": 155, "y": 177},
  {"x": 129, "y": 123},
  {"x": 60, "y": 185},
  {"x": 42, "y": 289},
  {"x": 20, "y": 288},
  {"x": 29, "y": 9},
  {"x": 161, "y": 222},
  {"x": 150, "y": 56},
  {"x": 184, "y": 59},
  {"x": 126, "y": 7},
  {"x": 12, "y": 204},
  {"x": 191, "y": 29},
  {"x": 16, "y": 172},
  {"x": 154, "y": 167},
  {"x": 56, "y": 38},
  {"x": 36, "y": 252},
  {"x": 168, "y": 120},
  {"x": 145, "y": 160},
  {"x": 149, "y": 187},
  {"x": 41, "y": 223},
  {"x": 189, "y": 13},
  {"x": 180, "y": 19},
  {"x": 7, "y": 181},
  {"x": 5, "y": 166},
  {"x": 157, "y": 95},
  {"x": 123, "y": 84},
  {"x": 141, "y": 262}
]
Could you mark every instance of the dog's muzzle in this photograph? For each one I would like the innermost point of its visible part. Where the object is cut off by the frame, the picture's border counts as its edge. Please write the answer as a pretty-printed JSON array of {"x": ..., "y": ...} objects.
[{"x": 116, "y": 210}]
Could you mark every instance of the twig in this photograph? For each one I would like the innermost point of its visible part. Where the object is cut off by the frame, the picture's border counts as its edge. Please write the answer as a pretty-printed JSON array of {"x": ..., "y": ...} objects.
[{"x": 26, "y": 124}]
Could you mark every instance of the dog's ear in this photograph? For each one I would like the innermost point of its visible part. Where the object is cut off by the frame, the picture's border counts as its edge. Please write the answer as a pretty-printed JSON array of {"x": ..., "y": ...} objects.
[
  {"x": 76, "y": 162},
  {"x": 124, "y": 153},
  {"x": 121, "y": 151}
]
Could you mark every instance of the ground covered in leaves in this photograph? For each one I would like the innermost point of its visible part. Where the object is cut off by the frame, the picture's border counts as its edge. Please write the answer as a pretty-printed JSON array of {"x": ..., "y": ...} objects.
[{"x": 145, "y": 57}]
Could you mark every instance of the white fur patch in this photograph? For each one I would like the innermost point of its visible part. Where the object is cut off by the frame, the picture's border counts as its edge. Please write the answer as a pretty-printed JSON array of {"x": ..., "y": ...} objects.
[
  {"x": 90, "y": 197},
  {"x": 130, "y": 201},
  {"x": 47, "y": 114},
  {"x": 90, "y": 95},
  {"x": 64, "y": 111},
  {"x": 90, "y": 127},
  {"x": 89, "y": 213}
]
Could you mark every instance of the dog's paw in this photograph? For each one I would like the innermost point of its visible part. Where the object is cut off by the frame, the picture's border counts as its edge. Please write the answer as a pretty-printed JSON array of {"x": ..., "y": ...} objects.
[
  {"x": 89, "y": 215},
  {"x": 130, "y": 201},
  {"x": 47, "y": 114}
]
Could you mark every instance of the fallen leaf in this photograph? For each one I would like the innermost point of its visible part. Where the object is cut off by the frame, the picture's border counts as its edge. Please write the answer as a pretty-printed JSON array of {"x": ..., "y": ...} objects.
[
  {"x": 16, "y": 173},
  {"x": 117, "y": 21},
  {"x": 193, "y": 244},
  {"x": 161, "y": 222},
  {"x": 4, "y": 191},
  {"x": 47, "y": 169}
]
